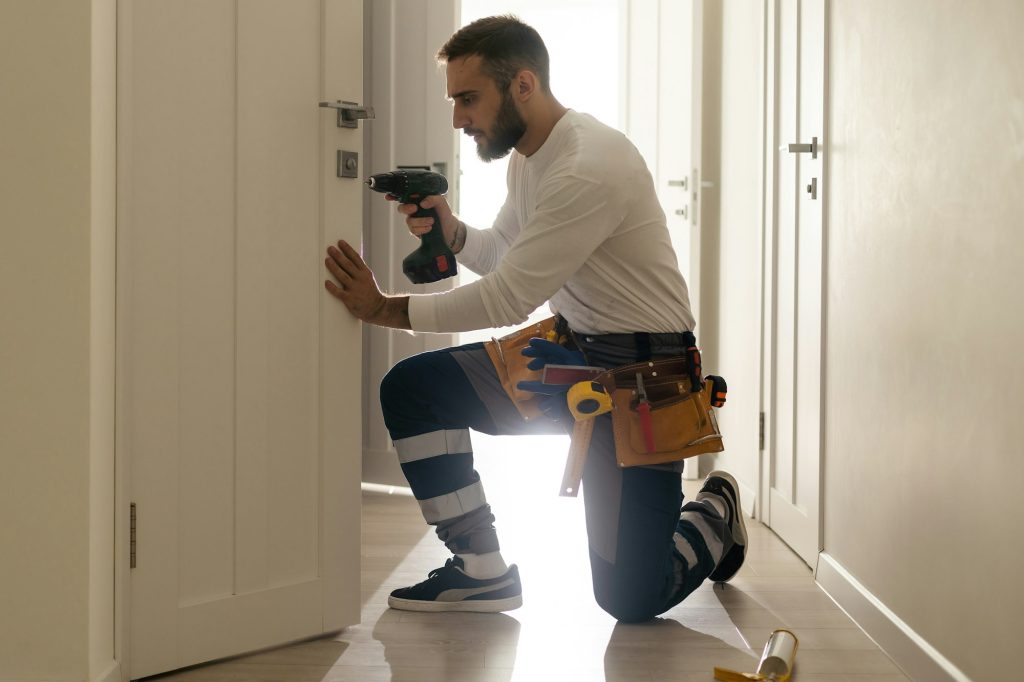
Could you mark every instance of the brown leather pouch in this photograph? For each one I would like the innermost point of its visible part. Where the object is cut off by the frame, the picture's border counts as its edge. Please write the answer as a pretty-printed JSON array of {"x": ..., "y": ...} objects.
[
  {"x": 682, "y": 423},
  {"x": 510, "y": 364}
]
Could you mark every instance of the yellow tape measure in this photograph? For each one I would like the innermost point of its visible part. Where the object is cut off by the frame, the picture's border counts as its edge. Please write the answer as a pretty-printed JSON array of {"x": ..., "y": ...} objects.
[{"x": 588, "y": 399}]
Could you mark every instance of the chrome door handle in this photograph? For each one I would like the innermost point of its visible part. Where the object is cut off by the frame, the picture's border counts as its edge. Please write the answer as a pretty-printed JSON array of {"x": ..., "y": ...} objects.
[
  {"x": 349, "y": 113},
  {"x": 798, "y": 148}
]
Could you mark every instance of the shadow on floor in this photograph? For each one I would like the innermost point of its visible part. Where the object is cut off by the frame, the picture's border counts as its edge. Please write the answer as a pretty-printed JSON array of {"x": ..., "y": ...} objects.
[
  {"x": 464, "y": 644},
  {"x": 664, "y": 644}
]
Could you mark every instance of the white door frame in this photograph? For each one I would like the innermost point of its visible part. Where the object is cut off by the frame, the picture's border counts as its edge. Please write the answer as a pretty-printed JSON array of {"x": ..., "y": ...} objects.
[{"x": 772, "y": 144}]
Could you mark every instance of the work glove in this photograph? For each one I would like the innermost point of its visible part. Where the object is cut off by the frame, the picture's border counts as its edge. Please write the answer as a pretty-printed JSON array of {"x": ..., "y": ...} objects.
[{"x": 552, "y": 397}]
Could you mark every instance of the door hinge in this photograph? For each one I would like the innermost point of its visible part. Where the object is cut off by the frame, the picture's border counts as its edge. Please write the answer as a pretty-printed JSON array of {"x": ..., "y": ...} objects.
[
  {"x": 131, "y": 538},
  {"x": 760, "y": 432}
]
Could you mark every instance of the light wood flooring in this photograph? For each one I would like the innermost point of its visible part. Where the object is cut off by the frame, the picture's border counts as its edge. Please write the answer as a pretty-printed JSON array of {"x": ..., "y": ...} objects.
[{"x": 559, "y": 633}]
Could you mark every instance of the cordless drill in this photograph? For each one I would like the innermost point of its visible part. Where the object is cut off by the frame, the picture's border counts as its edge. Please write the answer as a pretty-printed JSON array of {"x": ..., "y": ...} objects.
[{"x": 433, "y": 260}]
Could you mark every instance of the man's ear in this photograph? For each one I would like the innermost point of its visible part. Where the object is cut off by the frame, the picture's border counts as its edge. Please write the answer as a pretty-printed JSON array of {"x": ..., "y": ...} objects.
[{"x": 525, "y": 85}]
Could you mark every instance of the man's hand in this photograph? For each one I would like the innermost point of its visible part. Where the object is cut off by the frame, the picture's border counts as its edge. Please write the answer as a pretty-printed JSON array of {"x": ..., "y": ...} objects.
[
  {"x": 552, "y": 397},
  {"x": 358, "y": 290},
  {"x": 453, "y": 229}
]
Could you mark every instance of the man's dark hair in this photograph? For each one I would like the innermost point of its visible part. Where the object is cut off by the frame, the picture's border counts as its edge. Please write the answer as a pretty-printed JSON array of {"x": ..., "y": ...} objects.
[{"x": 506, "y": 46}]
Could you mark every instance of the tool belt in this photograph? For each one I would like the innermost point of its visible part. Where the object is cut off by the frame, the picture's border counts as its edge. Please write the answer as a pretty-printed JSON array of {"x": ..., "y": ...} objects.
[
  {"x": 510, "y": 364},
  {"x": 661, "y": 410}
]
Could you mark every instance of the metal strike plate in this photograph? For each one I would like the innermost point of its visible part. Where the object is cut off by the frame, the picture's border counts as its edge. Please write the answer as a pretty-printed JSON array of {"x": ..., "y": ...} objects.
[
  {"x": 348, "y": 164},
  {"x": 349, "y": 113}
]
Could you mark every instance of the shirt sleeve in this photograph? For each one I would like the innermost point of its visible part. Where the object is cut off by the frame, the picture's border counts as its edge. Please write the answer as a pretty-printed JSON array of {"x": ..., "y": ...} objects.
[
  {"x": 484, "y": 249},
  {"x": 574, "y": 215}
]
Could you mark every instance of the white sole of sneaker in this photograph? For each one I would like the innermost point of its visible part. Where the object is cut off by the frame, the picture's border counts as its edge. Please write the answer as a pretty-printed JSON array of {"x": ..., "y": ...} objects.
[
  {"x": 739, "y": 533},
  {"x": 466, "y": 605},
  {"x": 739, "y": 530}
]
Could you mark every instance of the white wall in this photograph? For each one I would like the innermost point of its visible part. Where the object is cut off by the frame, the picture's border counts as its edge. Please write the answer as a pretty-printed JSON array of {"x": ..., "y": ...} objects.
[
  {"x": 924, "y": 327},
  {"x": 56, "y": 358}
]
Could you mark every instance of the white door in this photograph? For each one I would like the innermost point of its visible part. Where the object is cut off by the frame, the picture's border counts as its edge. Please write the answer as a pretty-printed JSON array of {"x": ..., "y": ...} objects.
[
  {"x": 663, "y": 114},
  {"x": 663, "y": 82},
  {"x": 238, "y": 376},
  {"x": 794, "y": 342}
]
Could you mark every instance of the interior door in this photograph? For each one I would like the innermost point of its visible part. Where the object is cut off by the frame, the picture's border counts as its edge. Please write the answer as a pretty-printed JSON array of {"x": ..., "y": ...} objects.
[
  {"x": 664, "y": 67},
  {"x": 238, "y": 376},
  {"x": 663, "y": 114},
  {"x": 796, "y": 298}
]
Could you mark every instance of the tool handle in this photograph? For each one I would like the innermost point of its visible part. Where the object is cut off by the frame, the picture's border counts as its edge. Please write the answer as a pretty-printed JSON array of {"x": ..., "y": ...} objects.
[
  {"x": 581, "y": 435},
  {"x": 434, "y": 239},
  {"x": 433, "y": 260}
]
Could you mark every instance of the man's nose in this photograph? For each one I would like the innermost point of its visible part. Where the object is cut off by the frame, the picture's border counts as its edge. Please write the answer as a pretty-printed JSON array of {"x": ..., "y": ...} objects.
[{"x": 459, "y": 120}]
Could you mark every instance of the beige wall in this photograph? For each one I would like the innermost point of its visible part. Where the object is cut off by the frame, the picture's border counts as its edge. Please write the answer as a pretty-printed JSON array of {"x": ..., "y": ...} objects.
[
  {"x": 925, "y": 239},
  {"x": 924, "y": 326},
  {"x": 56, "y": 218},
  {"x": 730, "y": 328}
]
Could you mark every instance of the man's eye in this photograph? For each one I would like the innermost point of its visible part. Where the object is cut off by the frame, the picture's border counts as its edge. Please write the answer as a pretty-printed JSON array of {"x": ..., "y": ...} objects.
[{"x": 467, "y": 100}]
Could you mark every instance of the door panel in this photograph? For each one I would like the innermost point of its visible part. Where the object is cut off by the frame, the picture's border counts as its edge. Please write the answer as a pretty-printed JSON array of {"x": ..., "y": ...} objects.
[
  {"x": 795, "y": 404},
  {"x": 239, "y": 378}
]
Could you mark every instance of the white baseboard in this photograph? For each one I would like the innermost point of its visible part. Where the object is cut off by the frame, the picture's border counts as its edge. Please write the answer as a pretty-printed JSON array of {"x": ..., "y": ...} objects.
[
  {"x": 111, "y": 674},
  {"x": 382, "y": 467},
  {"x": 918, "y": 659},
  {"x": 386, "y": 489},
  {"x": 748, "y": 498}
]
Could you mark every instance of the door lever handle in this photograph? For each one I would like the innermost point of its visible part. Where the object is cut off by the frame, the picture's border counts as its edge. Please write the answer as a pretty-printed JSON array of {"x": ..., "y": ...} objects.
[
  {"x": 803, "y": 148},
  {"x": 349, "y": 112}
]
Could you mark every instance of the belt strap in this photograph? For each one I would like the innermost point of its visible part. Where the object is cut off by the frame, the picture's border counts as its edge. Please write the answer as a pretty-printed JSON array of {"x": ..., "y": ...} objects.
[{"x": 643, "y": 345}]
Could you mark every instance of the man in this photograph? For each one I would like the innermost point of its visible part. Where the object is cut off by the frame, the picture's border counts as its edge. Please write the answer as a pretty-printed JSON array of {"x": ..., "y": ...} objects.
[{"x": 581, "y": 227}]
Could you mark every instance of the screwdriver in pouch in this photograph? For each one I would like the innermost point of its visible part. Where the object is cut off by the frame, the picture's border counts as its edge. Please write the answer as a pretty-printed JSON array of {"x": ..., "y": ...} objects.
[{"x": 643, "y": 409}]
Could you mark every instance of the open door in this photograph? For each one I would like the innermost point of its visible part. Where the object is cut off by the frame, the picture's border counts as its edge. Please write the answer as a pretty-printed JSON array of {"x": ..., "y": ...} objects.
[
  {"x": 238, "y": 377},
  {"x": 795, "y": 262}
]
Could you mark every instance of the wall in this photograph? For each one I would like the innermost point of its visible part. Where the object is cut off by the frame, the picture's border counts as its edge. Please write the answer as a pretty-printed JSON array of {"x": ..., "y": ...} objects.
[
  {"x": 730, "y": 325},
  {"x": 924, "y": 329},
  {"x": 56, "y": 294}
]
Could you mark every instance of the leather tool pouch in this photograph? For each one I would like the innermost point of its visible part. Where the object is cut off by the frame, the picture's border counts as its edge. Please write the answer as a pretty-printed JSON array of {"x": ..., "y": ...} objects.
[
  {"x": 681, "y": 422},
  {"x": 510, "y": 364}
]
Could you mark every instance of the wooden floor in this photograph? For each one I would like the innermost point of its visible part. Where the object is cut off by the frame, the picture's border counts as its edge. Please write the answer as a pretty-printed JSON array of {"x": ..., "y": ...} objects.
[{"x": 559, "y": 633}]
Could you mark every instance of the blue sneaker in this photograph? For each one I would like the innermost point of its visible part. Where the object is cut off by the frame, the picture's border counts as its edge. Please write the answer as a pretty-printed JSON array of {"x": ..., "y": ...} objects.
[
  {"x": 449, "y": 589},
  {"x": 724, "y": 486}
]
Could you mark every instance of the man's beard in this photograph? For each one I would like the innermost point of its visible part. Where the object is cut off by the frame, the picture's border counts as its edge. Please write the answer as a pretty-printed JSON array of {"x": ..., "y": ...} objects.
[{"x": 509, "y": 127}]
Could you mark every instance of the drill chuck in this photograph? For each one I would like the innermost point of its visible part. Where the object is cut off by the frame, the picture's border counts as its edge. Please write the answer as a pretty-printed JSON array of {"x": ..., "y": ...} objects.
[{"x": 433, "y": 260}]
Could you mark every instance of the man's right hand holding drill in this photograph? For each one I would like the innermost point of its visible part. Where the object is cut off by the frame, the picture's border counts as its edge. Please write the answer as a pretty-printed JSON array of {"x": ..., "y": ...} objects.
[{"x": 454, "y": 229}]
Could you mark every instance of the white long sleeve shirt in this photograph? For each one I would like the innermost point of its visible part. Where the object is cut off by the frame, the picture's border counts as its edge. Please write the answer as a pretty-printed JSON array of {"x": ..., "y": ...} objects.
[{"x": 581, "y": 227}]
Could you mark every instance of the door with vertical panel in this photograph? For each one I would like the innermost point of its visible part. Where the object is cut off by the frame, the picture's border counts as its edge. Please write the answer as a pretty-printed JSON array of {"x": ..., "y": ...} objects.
[
  {"x": 238, "y": 377},
  {"x": 794, "y": 359},
  {"x": 662, "y": 117}
]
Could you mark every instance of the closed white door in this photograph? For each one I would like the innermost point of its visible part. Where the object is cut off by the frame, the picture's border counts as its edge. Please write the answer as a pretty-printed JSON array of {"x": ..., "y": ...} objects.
[
  {"x": 238, "y": 377},
  {"x": 796, "y": 272},
  {"x": 662, "y": 117},
  {"x": 664, "y": 44}
]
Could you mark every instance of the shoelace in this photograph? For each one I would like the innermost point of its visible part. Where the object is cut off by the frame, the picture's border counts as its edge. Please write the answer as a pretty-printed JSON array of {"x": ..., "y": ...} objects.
[{"x": 437, "y": 571}]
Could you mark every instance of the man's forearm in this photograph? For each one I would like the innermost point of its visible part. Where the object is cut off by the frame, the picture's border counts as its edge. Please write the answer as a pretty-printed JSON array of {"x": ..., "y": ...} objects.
[
  {"x": 394, "y": 312},
  {"x": 459, "y": 240}
]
